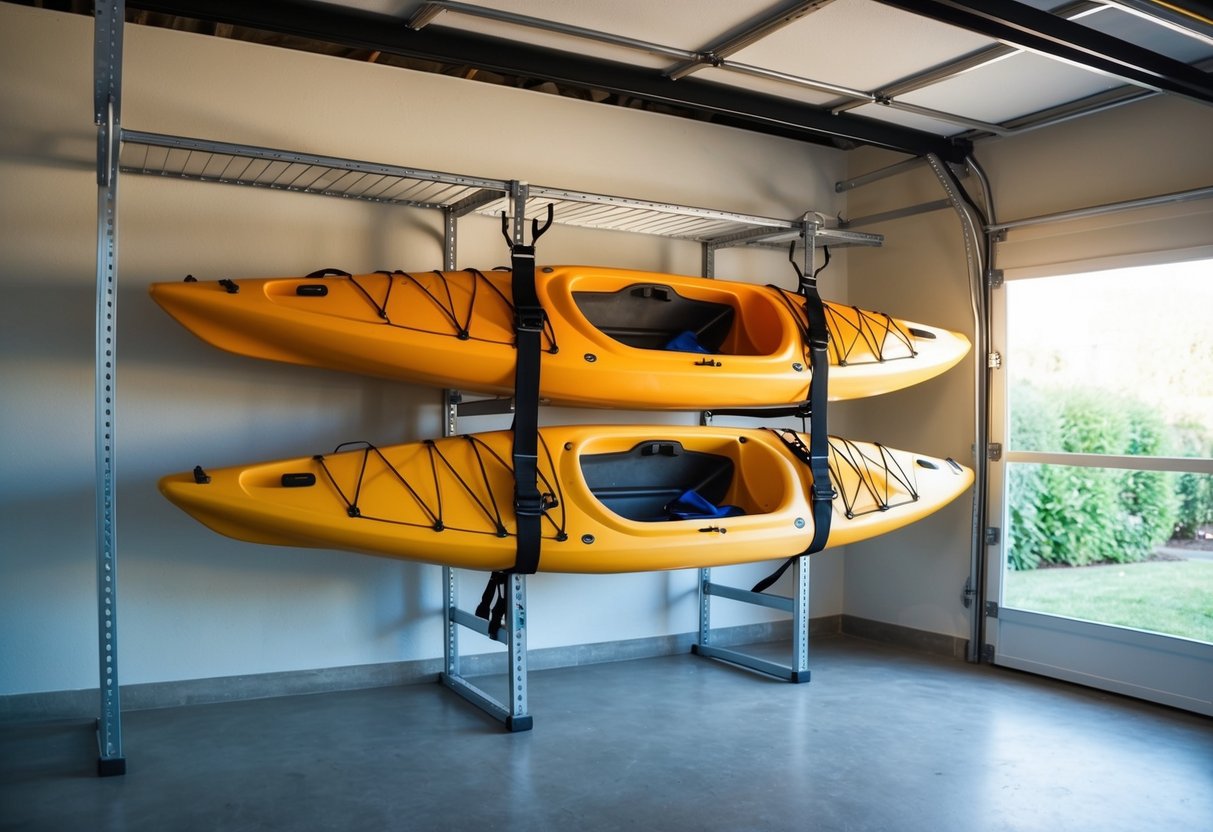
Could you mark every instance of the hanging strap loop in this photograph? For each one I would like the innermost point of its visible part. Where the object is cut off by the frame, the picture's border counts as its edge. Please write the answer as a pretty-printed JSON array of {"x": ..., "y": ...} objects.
[{"x": 493, "y": 603}]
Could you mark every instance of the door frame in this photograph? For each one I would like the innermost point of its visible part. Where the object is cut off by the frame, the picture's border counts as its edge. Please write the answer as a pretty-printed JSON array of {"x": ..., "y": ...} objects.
[{"x": 1169, "y": 670}]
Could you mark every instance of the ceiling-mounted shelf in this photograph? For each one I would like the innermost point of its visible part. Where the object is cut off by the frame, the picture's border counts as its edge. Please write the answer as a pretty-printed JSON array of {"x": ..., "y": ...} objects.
[{"x": 235, "y": 164}]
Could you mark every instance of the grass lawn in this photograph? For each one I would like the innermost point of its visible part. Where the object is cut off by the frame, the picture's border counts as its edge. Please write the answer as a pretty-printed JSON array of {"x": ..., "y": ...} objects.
[{"x": 1172, "y": 597}]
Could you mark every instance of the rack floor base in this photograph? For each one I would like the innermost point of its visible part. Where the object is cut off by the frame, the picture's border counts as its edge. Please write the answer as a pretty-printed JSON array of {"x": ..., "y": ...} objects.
[{"x": 884, "y": 738}]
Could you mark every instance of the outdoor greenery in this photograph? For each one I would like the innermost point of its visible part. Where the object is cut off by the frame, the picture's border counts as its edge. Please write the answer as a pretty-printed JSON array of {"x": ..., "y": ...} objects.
[
  {"x": 1195, "y": 492},
  {"x": 1064, "y": 515},
  {"x": 1170, "y": 597},
  {"x": 1075, "y": 385}
]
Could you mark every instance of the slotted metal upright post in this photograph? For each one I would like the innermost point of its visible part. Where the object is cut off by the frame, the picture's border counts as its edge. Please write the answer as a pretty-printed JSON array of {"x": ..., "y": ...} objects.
[
  {"x": 450, "y": 417},
  {"x": 512, "y": 713},
  {"x": 516, "y": 584},
  {"x": 107, "y": 111}
]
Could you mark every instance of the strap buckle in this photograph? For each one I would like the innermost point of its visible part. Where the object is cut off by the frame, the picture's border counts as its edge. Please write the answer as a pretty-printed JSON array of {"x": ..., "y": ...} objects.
[
  {"x": 529, "y": 319},
  {"x": 528, "y": 505},
  {"x": 824, "y": 493}
]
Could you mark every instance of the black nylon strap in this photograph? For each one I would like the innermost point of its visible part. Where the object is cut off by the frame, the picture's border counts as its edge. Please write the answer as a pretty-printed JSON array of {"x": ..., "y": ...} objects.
[
  {"x": 819, "y": 438},
  {"x": 528, "y": 334},
  {"x": 817, "y": 456}
]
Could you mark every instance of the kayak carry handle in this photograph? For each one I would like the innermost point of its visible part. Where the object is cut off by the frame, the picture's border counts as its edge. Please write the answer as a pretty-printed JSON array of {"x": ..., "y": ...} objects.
[
  {"x": 661, "y": 449},
  {"x": 656, "y": 292}
]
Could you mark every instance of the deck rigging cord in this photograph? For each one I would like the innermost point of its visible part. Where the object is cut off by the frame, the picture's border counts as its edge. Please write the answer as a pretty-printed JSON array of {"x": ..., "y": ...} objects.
[
  {"x": 479, "y": 481},
  {"x": 462, "y": 322}
]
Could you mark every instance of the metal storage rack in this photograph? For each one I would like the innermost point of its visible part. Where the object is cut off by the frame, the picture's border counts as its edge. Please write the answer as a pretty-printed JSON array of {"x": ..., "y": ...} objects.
[{"x": 135, "y": 152}]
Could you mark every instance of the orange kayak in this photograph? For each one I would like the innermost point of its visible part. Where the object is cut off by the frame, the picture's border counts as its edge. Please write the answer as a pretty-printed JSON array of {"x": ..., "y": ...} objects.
[
  {"x": 616, "y": 498},
  {"x": 615, "y": 337}
]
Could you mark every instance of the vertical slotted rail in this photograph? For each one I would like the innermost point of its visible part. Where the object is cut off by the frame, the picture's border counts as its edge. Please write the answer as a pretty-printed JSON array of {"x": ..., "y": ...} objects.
[
  {"x": 450, "y": 416},
  {"x": 518, "y": 718},
  {"x": 107, "y": 109},
  {"x": 513, "y": 712}
]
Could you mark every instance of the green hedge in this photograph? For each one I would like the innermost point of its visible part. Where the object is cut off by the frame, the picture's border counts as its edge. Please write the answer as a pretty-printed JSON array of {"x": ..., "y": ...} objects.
[
  {"x": 1195, "y": 491},
  {"x": 1079, "y": 516}
]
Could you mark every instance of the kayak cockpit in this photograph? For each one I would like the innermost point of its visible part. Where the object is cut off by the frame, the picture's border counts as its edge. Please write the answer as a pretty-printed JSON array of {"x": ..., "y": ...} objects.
[
  {"x": 654, "y": 316},
  {"x": 651, "y": 481}
]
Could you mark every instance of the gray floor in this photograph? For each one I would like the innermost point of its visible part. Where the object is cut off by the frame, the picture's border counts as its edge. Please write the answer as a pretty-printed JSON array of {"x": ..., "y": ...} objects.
[{"x": 880, "y": 739}]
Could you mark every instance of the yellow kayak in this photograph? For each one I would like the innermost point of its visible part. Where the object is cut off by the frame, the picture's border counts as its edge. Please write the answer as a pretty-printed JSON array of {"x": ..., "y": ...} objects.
[
  {"x": 617, "y": 498},
  {"x": 615, "y": 337}
]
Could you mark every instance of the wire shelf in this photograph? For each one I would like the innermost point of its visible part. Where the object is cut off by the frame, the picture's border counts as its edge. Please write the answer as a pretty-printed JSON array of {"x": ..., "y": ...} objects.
[{"x": 212, "y": 161}]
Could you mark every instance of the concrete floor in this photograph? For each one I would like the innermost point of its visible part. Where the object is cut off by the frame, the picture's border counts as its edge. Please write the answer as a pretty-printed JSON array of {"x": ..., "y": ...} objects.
[{"x": 880, "y": 739}]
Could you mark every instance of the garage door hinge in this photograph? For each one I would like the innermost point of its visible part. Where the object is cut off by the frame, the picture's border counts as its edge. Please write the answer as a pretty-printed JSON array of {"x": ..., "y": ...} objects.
[
  {"x": 994, "y": 278},
  {"x": 991, "y": 609},
  {"x": 993, "y": 535},
  {"x": 987, "y": 653},
  {"x": 994, "y": 451},
  {"x": 969, "y": 593},
  {"x": 994, "y": 360}
]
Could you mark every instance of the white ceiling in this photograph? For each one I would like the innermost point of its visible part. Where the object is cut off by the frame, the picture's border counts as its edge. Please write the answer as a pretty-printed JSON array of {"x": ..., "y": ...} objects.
[
  {"x": 860, "y": 45},
  {"x": 859, "y": 57}
]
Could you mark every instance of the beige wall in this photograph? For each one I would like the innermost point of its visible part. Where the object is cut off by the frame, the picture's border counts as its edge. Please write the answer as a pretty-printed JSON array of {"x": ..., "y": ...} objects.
[
  {"x": 1156, "y": 146},
  {"x": 193, "y": 604},
  {"x": 915, "y": 577}
]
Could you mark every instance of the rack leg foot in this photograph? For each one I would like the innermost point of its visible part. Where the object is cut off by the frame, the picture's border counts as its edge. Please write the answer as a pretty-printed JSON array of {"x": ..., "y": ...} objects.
[
  {"x": 517, "y": 724},
  {"x": 111, "y": 766}
]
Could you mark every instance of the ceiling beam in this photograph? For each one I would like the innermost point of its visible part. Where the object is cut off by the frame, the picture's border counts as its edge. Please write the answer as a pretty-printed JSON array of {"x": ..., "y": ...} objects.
[
  {"x": 1047, "y": 34},
  {"x": 1191, "y": 22},
  {"x": 431, "y": 11},
  {"x": 730, "y": 105},
  {"x": 751, "y": 34}
]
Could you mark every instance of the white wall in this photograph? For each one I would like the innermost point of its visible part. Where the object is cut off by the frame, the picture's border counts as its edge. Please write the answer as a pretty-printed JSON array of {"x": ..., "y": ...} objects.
[
  {"x": 196, "y": 605},
  {"x": 915, "y": 577}
]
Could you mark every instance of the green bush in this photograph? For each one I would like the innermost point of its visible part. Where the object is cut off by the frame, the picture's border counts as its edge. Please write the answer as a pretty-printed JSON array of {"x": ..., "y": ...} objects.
[
  {"x": 1078, "y": 516},
  {"x": 1146, "y": 499},
  {"x": 1194, "y": 491},
  {"x": 1033, "y": 427}
]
